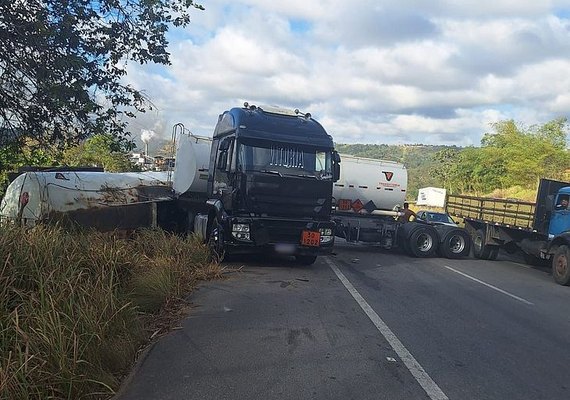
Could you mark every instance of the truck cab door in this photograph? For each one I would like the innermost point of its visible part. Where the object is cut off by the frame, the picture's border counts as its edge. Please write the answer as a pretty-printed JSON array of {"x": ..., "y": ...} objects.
[
  {"x": 560, "y": 220},
  {"x": 224, "y": 172}
]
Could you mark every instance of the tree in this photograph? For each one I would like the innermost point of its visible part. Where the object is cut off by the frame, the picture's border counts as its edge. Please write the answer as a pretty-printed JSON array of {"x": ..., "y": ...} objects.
[
  {"x": 62, "y": 62},
  {"x": 528, "y": 154},
  {"x": 13, "y": 156},
  {"x": 100, "y": 151},
  {"x": 444, "y": 166},
  {"x": 168, "y": 149}
]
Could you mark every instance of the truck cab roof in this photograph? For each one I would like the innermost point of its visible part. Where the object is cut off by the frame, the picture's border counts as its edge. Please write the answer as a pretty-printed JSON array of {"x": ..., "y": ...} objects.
[{"x": 276, "y": 125}]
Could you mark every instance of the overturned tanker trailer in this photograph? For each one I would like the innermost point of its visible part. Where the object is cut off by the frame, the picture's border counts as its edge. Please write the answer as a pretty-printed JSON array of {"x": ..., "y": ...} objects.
[{"x": 104, "y": 201}]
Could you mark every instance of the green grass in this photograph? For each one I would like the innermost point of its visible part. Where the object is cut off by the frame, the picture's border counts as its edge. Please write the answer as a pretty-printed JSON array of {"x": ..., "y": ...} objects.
[
  {"x": 515, "y": 192},
  {"x": 73, "y": 306}
]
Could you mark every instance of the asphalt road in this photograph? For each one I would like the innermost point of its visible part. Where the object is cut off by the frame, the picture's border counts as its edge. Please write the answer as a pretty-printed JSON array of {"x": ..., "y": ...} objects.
[{"x": 367, "y": 324}]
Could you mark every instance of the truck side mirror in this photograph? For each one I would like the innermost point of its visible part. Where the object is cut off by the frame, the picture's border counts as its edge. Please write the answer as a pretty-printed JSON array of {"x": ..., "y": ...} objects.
[
  {"x": 336, "y": 157},
  {"x": 336, "y": 172},
  {"x": 336, "y": 166}
]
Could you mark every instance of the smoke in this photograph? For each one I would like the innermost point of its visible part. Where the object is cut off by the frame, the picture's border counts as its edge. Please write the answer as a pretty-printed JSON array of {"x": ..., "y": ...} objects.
[{"x": 147, "y": 135}]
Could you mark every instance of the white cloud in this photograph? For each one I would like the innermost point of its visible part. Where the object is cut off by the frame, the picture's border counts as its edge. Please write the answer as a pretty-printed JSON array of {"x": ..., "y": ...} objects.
[{"x": 370, "y": 71}]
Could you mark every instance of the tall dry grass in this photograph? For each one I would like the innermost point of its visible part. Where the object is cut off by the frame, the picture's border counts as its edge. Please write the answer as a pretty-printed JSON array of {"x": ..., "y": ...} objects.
[{"x": 72, "y": 305}]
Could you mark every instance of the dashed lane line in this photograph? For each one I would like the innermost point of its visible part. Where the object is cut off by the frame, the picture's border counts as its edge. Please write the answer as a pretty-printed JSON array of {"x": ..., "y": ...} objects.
[
  {"x": 421, "y": 376},
  {"x": 490, "y": 286}
]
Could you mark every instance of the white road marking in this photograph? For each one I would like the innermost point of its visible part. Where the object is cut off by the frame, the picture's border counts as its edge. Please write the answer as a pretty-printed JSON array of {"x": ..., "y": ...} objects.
[
  {"x": 417, "y": 371},
  {"x": 490, "y": 286}
]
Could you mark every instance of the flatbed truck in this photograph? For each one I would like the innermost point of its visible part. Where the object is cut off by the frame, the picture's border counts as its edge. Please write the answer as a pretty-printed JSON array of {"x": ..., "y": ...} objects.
[{"x": 540, "y": 229}]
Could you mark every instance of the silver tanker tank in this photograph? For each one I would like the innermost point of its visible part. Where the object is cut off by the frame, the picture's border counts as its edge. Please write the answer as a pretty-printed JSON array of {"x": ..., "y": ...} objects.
[
  {"x": 192, "y": 160},
  {"x": 365, "y": 179},
  {"x": 102, "y": 200}
]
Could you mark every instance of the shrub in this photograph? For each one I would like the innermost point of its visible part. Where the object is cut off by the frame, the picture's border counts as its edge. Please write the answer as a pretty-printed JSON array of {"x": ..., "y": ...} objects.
[{"x": 72, "y": 305}]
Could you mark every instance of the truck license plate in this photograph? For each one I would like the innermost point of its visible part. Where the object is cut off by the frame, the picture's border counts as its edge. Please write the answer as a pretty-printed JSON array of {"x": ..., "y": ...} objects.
[{"x": 310, "y": 238}]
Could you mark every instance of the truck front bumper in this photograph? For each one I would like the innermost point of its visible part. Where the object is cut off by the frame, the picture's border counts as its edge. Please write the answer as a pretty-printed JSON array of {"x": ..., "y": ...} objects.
[{"x": 281, "y": 236}]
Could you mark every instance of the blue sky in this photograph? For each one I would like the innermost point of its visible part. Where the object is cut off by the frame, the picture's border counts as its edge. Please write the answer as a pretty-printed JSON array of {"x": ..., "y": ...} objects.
[{"x": 412, "y": 71}]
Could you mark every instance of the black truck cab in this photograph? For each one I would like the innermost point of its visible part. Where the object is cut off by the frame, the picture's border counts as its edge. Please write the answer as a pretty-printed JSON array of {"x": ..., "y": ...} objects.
[{"x": 270, "y": 183}]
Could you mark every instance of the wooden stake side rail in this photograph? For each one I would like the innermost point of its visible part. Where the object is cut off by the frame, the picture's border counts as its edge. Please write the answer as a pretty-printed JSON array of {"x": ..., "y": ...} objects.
[{"x": 508, "y": 213}]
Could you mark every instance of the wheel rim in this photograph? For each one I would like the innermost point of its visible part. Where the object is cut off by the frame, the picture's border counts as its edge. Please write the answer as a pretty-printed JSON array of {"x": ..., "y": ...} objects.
[
  {"x": 561, "y": 265},
  {"x": 424, "y": 242},
  {"x": 457, "y": 244}
]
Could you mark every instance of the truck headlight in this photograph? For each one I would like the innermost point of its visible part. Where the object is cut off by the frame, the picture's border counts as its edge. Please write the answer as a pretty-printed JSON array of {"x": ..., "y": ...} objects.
[
  {"x": 240, "y": 228},
  {"x": 241, "y": 231},
  {"x": 326, "y": 235}
]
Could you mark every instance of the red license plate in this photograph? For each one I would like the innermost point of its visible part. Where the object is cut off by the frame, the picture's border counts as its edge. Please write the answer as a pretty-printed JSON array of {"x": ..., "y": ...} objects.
[{"x": 310, "y": 238}]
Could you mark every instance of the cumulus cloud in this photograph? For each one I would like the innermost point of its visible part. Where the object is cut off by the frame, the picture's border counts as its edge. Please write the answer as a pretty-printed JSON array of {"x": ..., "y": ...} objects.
[{"x": 370, "y": 71}]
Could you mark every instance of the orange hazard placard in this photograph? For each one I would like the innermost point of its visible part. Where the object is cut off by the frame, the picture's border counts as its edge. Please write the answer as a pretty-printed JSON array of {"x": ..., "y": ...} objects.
[
  {"x": 344, "y": 204},
  {"x": 310, "y": 238}
]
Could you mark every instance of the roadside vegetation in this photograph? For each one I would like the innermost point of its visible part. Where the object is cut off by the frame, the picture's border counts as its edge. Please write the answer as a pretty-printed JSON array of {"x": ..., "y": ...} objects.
[
  {"x": 76, "y": 307},
  {"x": 509, "y": 163}
]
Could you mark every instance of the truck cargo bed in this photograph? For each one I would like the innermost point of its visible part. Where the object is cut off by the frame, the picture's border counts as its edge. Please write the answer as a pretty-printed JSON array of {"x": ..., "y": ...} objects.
[{"x": 509, "y": 213}]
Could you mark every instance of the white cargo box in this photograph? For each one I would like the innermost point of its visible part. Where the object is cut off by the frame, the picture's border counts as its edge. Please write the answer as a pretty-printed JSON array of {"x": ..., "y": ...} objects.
[{"x": 431, "y": 197}]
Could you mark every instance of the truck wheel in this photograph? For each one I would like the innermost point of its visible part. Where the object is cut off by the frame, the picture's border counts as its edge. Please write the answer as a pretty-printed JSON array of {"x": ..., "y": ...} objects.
[
  {"x": 561, "y": 266},
  {"x": 404, "y": 233},
  {"x": 455, "y": 244},
  {"x": 480, "y": 249},
  {"x": 306, "y": 260},
  {"x": 423, "y": 241},
  {"x": 216, "y": 242}
]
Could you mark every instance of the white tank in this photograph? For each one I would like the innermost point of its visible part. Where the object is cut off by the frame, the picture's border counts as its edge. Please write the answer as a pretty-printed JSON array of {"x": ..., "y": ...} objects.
[
  {"x": 192, "y": 160},
  {"x": 365, "y": 179},
  {"x": 33, "y": 196}
]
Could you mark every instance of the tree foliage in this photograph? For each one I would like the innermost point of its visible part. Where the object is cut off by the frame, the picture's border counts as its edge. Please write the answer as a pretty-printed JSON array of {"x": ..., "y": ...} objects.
[
  {"x": 510, "y": 155},
  {"x": 100, "y": 151},
  {"x": 62, "y": 64}
]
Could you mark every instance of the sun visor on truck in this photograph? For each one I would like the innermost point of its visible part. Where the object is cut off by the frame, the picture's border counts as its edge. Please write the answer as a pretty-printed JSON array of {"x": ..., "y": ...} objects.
[{"x": 308, "y": 138}]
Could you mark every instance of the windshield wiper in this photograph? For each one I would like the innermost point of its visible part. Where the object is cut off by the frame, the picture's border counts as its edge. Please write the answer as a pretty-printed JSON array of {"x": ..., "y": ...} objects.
[
  {"x": 304, "y": 176},
  {"x": 267, "y": 171}
]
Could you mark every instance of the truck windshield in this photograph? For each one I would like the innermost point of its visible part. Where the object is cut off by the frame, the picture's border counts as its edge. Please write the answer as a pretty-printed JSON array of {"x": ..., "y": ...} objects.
[{"x": 286, "y": 159}]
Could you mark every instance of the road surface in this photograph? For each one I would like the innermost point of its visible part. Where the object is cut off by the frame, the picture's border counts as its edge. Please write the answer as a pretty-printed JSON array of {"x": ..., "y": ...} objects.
[{"x": 367, "y": 324}]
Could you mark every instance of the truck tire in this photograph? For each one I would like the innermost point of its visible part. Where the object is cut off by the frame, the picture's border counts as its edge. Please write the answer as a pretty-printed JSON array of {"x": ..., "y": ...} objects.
[
  {"x": 216, "y": 242},
  {"x": 481, "y": 250},
  {"x": 306, "y": 260},
  {"x": 423, "y": 241},
  {"x": 561, "y": 265},
  {"x": 403, "y": 236},
  {"x": 455, "y": 243}
]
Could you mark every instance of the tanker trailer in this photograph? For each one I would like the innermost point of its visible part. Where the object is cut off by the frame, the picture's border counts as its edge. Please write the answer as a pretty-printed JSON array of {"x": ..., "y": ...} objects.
[
  {"x": 100, "y": 200},
  {"x": 367, "y": 200},
  {"x": 189, "y": 178}
]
